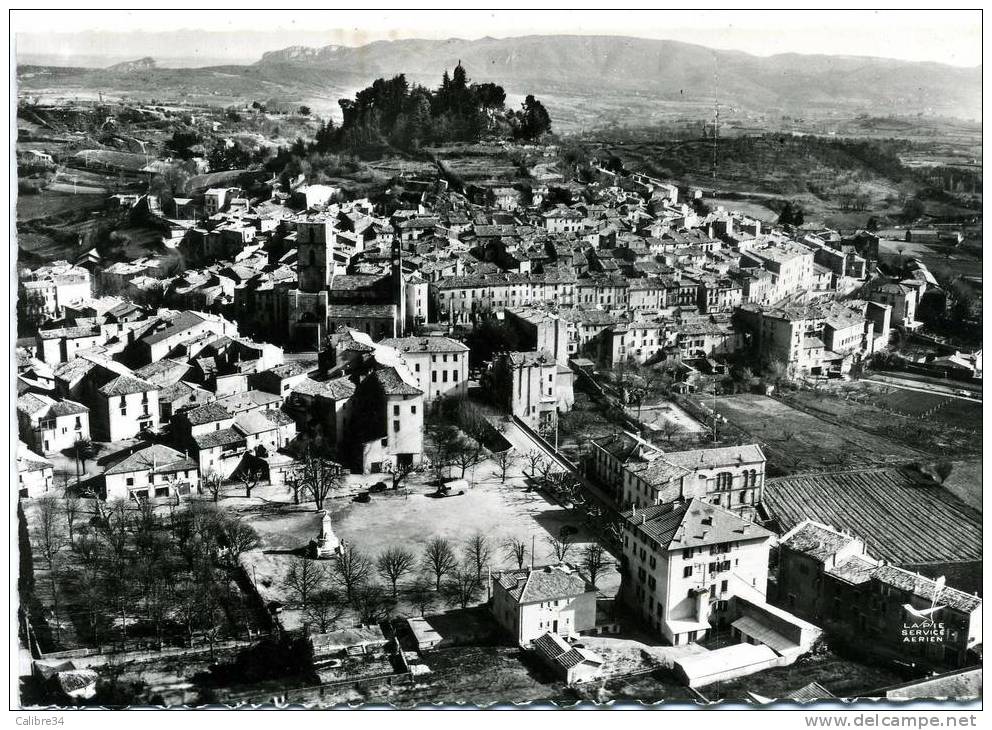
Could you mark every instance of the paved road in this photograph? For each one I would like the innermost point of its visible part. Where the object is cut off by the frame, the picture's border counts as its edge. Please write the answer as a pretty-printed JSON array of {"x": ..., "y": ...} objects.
[
  {"x": 919, "y": 387},
  {"x": 524, "y": 443}
]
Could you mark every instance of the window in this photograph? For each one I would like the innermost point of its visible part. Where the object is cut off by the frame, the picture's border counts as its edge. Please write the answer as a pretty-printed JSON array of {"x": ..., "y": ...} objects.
[
  {"x": 434, "y": 377},
  {"x": 396, "y": 410},
  {"x": 396, "y": 426},
  {"x": 413, "y": 409},
  {"x": 454, "y": 376},
  {"x": 444, "y": 376},
  {"x": 687, "y": 571},
  {"x": 416, "y": 367},
  {"x": 129, "y": 481},
  {"x": 687, "y": 554},
  {"x": 723, "y": 586}
]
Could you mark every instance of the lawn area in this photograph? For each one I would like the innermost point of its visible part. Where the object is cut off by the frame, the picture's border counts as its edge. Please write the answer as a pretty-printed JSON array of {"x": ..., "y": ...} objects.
[
  {"x": 409, "y": 518},
  {"x": 796, "y": 441},
  {"x": 843, "y": 677}
]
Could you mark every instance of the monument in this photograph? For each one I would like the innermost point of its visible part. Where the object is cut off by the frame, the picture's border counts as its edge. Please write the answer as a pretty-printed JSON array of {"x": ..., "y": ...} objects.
[{"x": 327, "y": 543}]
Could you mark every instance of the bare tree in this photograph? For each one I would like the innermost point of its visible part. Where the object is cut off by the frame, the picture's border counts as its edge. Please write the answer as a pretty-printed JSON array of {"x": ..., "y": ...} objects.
[
  {"x": 237, "y": 537},
  {"x": 372, "y": 603},
  {"x": 213, "y": 482},
  {"x": 462, "y": 587},
  {"x": 393, "y": 564},
  {"x": 560, "y": 546},
  {"x": 318, "y": 477},
  {"x": 70, "y": 507},
  {"x": 534, "y": 461},
  {"x": 351, "y": 569},
  {"x": 324, "y": 609},
  {"x": 593, "y": 560},
  {"x": 515, "y": 549},
  {"x": 250, "y": 477},
  {"x": 469, "y": 454},
  {"x": 478, "y": 553},
  {"x": 400, "y": 472},
  {"x": 504, "y": 460},
  {"x": 51, "y": 543},
  {"x": 422, "y": 595},
  {"x": 305, "y": 577},
  {"x": 439, "y": 560}
]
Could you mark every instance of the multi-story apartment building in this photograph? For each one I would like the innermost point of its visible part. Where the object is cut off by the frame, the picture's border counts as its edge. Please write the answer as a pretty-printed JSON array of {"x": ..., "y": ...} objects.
[
  {"x": 810, "y": 339},
  {"x": 531, "y": 386},
  {"x": 46, "y": 290},
  {"x": 683, "y": 561},
  {"x": 530, "y": 602},
  {"x": 828, "y": 576},
  {"x": 438, "y": 364},
  {"x": 639, "y": 474},
  {"x": 463, "y": 299},
  {"x": 789, "y": 263},
  {"x": 390, "y": 433},
  {"x": 155, "y": 471},
  {"x": 48, "y": 425}
]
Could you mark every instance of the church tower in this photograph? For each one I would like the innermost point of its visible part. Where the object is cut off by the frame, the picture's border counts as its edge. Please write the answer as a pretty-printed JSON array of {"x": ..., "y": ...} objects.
[{"x": 315, "y": 238}]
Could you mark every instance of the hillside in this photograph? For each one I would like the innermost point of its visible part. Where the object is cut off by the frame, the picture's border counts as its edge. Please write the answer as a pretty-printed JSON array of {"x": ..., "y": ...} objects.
[
  {"x": 584, "y": 81},
  {"x": 667, "y": 70}
]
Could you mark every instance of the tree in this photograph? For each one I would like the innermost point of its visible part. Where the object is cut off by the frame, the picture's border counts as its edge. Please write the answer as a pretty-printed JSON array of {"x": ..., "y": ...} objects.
[
  {"x": 593, "y": 560},
  {"x": 670, "y": 430},
  {"x": 70, "y": 508},
  {"x": 439, "y": 559},
  {"x": 504, "y": 460},
  {"x": 318, "y": 476},
  {"x": 468, "y": 454},
  {"x": 913, "y": 209},
  {"x": 393, "y": 564},
  {"x": 534, "y": 459},
  {"x": 462, "y": 588},
  {"x": 304, "y": 110},
  {"x": 305, "y": 577},
  {"x": 213, "y": 482},
  {"x": 51, "y": 542},
  {"x": 83, "y": 449},
  {"x": 560, "y": 546},
  {"x": 372, "y": 603},
  {"x": 515, "y": 549},
  {"x": 324, "y": 609},
  {"x": 478, "y": 553},
  {"x": 352, "y": 568},
  {"x": 238, "y": 537},
  {"x": 422, "y": 595},
  {"x": 250, "y": 477},
  {"x": 792, "y": 214},
  {"x": 400, "y": 472}
]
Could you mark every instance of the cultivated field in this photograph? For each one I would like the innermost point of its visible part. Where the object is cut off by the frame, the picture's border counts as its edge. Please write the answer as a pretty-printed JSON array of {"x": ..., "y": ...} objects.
[
  {"x": 796, "y": 441},
  {"x": 904, "y": 517},
  {"x": 957, "y": 433}
]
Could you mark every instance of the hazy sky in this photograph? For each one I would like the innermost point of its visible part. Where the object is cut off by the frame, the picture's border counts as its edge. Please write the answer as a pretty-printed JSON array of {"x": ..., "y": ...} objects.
[{"x": 952, "y": 37}]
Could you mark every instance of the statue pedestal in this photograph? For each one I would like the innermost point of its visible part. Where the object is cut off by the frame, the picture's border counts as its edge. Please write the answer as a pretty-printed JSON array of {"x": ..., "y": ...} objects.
[{"x": 327, "y": 544}]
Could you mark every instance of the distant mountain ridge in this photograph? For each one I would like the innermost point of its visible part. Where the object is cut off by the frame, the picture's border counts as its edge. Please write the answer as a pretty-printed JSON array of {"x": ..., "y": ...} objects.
[
  {"x": 584, "y": 81},
  {"x": 142, "y": 64},
  {"x": 671, "y": 70}
]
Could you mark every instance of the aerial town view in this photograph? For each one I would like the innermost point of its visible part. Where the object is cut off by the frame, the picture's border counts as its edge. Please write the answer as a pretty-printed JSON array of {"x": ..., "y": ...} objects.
[{"x": 447, "y": 368}]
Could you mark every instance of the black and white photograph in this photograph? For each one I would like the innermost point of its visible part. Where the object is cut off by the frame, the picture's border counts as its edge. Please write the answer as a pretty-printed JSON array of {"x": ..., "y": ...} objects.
[{"x": 496, "y": 358}]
